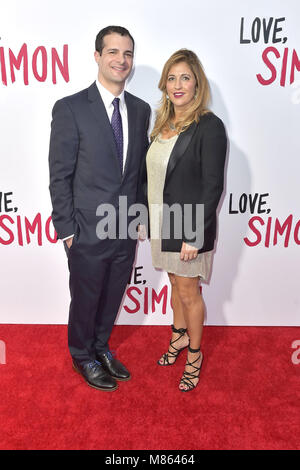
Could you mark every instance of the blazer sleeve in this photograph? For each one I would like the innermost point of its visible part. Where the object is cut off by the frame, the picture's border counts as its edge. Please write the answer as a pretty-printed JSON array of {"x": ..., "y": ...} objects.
[
  {"x": 213, "y": 155},
  {"x": 63, "y": 151}
]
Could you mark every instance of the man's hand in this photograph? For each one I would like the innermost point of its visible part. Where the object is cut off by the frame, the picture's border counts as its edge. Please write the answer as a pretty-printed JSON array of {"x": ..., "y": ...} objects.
[
  {"x": 188, "y": 252},
  {"x": 69, "y": 242},
  {"x": 142, "y": 233}
]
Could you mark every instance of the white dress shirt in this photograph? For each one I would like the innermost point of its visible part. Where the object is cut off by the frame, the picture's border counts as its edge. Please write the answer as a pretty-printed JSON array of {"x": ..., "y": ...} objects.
[{"x": 107, "y": 98}]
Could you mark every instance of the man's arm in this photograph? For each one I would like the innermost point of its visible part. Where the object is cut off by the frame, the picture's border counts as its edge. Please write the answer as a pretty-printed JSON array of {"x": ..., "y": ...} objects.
[
  {"x": 143, "y": 228},
  {"x": 64, "y": 142}
]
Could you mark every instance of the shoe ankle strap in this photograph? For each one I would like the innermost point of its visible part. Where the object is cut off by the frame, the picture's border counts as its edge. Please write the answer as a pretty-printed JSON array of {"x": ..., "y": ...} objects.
[
  {"x": 193, "y": 350},
  {"x": 181, "y": 331}
]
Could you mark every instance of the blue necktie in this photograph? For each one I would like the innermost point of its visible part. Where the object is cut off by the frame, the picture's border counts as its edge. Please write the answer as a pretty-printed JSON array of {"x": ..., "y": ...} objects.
[{"x": 116, "y": 123}]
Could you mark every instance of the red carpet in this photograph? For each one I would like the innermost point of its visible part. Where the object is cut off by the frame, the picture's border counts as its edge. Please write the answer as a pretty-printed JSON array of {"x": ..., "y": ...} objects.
[{"x": 248, "y": 396}]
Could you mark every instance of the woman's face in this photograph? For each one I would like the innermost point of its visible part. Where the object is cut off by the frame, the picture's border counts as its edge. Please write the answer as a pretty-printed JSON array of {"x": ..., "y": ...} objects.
[{"x": 181, "y": 86}]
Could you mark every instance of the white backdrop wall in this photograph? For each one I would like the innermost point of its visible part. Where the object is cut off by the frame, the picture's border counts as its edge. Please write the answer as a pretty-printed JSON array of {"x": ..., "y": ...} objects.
[{"x": 251, "y": 54}]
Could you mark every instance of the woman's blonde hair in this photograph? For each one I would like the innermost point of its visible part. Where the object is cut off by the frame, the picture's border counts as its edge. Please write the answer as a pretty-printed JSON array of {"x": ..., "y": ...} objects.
[{"x": 165, "y": 112}]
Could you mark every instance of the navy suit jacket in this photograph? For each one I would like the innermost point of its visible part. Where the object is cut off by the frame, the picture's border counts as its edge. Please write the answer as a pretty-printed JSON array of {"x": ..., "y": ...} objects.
[{"x": 83, "y": 160}]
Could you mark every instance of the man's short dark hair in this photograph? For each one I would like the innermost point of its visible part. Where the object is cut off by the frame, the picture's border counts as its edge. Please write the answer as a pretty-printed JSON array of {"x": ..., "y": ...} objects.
[{"x": 99, "y": 44}]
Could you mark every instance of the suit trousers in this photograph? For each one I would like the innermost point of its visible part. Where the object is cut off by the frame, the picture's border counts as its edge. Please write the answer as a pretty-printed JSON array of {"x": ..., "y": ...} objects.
[{"x": 99, "y": 273}]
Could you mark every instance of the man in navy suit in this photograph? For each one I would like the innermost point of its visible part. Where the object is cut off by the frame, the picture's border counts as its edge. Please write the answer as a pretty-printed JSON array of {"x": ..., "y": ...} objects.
[{"x": 98, "y": 143}]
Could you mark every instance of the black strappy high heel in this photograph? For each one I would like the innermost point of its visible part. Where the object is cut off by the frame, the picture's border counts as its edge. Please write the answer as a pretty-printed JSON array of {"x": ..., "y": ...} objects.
[
  {"x": 175, "y": 352},
  {"x": 188, "y": 376}
]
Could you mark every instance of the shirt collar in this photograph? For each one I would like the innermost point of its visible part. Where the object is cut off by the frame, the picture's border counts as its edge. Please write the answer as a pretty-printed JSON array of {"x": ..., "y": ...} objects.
[{"x": 108, "y": 97}]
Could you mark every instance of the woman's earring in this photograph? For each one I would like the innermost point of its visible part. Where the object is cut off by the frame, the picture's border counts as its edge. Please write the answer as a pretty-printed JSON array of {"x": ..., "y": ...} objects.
[{"x": 167, "y": 96}]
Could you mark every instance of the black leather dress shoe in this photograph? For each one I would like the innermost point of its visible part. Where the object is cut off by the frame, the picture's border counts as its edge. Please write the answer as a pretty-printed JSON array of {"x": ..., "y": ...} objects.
[
  {"x": 95, "y": 376},
  {"x": 113, "y": 366}
]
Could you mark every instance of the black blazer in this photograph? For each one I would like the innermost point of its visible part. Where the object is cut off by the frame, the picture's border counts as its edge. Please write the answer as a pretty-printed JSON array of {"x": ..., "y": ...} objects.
[
  {"x": 84, "y": 166},
  {"x": 195, "y": 175}
]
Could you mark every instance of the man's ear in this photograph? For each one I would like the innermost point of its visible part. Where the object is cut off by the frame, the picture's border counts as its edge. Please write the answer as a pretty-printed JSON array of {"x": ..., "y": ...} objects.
[{"x": 97, "y": 56}]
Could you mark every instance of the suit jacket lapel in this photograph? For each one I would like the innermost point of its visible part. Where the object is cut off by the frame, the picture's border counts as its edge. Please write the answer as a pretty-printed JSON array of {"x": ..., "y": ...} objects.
[
  {"x": 101, "y": 116},
  {"x": 179, "y": 148}
]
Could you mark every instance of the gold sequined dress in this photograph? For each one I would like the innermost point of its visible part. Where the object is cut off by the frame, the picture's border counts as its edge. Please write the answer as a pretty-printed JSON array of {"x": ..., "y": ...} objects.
[{"x": 157, "y": 161}]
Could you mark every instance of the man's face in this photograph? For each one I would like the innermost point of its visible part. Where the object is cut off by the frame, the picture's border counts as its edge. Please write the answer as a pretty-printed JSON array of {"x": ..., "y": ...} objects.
[{"x": 115, "y": 62}]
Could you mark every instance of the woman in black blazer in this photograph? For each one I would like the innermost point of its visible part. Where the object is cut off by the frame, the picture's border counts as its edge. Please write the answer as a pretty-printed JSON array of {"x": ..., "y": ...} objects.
[{"x": 185, "y": 171}]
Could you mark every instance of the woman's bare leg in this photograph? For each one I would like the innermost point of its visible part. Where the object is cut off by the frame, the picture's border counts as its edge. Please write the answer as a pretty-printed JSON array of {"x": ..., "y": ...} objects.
[
  {"x": 178, "y": 321},
  {"x": 193, "y": 311}
]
